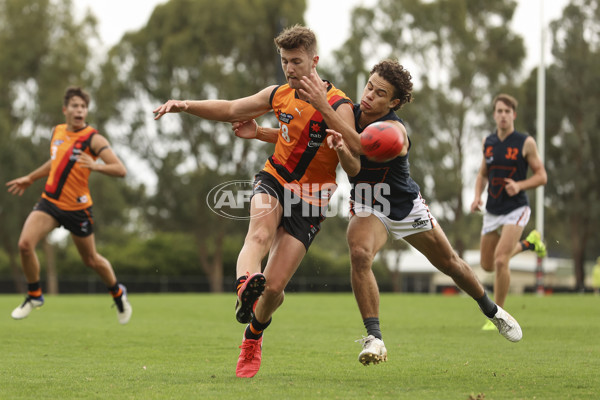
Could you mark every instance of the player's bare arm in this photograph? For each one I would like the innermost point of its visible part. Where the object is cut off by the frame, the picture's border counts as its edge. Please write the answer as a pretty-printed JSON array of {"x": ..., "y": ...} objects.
[
  {"x": 17, "y": 186},
  {"x": 481, "y": 182},
  {"x": 538, "y": 176},
  {"x": 111, "y": 165},
  {"x": 237, "y": 110},
  {"x": 341, "y": 120},
  {"x": 251, "y": 130}
]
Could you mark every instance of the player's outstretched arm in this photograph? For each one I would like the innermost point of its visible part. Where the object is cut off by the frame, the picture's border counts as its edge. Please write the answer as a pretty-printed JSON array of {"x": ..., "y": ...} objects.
[
  {"x": 18, "y": 186},
  {"x": 237, "y": 110}
]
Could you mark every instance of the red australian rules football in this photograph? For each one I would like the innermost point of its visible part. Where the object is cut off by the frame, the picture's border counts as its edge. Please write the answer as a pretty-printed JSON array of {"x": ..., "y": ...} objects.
[{"x": 381, "y": 141}]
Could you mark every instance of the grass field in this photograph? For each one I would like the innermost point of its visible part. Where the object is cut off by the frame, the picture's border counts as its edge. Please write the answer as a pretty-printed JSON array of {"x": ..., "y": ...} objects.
[{"x": 185, "y": 346}]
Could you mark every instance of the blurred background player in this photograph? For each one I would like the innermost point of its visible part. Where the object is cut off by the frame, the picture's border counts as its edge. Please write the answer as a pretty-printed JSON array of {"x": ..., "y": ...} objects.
[
  {"x": 66, "y": 201},
  {"x": 506, "y": 156},
  {"x": 279, "y": 225}
]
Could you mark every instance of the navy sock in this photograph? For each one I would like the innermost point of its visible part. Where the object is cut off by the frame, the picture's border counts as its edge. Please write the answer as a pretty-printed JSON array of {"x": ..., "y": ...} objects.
[
  {"x": 372, "y": 325},
  {"x": 487, "y": 306},
  {"x": 525, "y": 245}
]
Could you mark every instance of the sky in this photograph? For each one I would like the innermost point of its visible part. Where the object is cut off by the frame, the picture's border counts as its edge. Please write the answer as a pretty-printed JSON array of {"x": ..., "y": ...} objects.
[{"x": 117, "y": 17}]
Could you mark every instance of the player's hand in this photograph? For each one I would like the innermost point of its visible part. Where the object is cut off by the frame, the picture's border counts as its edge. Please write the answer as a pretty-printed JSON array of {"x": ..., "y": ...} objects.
[
  {"x": 18, "y": 186},
  {"x": 476, "y": 205},
  {"x": 314, "y": 89},
  {"x": 245, "y": 129},
  {"x": 86, "y": 161},
  {"x": 512, "y": 187},
  {"x": 334, "y": 140},
  {"x": 171, "y": 106}
]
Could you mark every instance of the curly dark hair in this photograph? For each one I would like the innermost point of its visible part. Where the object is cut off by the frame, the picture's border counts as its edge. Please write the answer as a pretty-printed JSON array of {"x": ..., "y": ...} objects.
[
  {"x": 295, "y": 37},
  {"x": 394, "y": 73},
  {"x": 76, "y": 91}
]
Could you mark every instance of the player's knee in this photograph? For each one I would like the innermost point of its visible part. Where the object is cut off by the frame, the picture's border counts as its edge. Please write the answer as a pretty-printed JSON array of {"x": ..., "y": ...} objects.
[
  {"x": 487, "y": 266},
  {"x": 500, "y": 263},
  {"x": 26, "y": 247},
  {"x": 360, "y": 257},
  {"x": 260, "y": 237},
  {"x": 91, "y": 261}
]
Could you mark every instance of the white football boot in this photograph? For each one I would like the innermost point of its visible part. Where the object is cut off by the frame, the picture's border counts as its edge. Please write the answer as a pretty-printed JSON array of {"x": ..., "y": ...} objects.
[
  {"x": 374, "y": 351},
  {"x": 28, "y": 305},
  {"x": 125, "y": 315},
  {"x": 507, "y": 325}
]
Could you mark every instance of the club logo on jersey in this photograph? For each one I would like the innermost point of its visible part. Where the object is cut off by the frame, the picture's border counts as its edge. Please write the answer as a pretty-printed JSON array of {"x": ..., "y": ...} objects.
[
  {"x": 82, "y": 199},
  {"x": 489, "y": 154},
  {"x": 285, "y": 118}
]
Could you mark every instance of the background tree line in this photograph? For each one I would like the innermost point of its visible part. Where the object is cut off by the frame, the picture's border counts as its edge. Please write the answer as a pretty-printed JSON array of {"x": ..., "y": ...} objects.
[{"x": 463, "y": 53}]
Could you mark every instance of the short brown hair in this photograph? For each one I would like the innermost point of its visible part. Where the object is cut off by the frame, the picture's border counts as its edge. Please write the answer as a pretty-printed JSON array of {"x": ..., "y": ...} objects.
[
  {"x": 506, "y": 99},
  {"x": 297, "y": 36},
  {"x": 76, "y": 91},
  {"x": 400, "y": 78}
]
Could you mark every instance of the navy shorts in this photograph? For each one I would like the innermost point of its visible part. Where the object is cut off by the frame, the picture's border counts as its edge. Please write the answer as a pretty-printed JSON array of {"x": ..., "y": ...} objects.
[
  {"x": 299, "y": 219},
  {"x": 79, "y": 222}
]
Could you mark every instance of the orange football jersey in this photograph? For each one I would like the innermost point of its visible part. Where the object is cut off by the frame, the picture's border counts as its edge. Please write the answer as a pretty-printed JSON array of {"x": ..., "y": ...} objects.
[
  {"x": 67, "y": 184},
  {"x": 302, "y": 160}
]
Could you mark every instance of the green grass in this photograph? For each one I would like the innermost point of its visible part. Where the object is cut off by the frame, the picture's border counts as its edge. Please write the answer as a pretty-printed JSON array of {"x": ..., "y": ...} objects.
[{"x": 185, "y": 346}]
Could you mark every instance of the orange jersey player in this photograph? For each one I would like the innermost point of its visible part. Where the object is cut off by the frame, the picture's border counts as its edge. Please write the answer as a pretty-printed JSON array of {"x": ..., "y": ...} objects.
[
  {"x": 66, "y": 201},
  {"x": 67, "y": 184},
  {"x": 302, "y": 161},
  {"x": 289, "y": 193}
]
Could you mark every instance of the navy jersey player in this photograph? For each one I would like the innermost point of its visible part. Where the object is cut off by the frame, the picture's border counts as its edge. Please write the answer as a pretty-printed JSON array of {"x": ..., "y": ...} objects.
[{"x": 507, "y": 156}]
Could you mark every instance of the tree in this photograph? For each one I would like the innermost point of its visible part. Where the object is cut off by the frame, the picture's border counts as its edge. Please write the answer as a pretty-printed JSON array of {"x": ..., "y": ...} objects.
[
  {"x": 44, "y": 50},
  {"x": 572, "y": 140}
]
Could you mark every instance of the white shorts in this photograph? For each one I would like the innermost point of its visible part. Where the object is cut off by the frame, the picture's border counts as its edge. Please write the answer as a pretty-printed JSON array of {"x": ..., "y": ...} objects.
[
  {"x": 419, "y": 219},
  {"x": 492, "y": 222}
]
